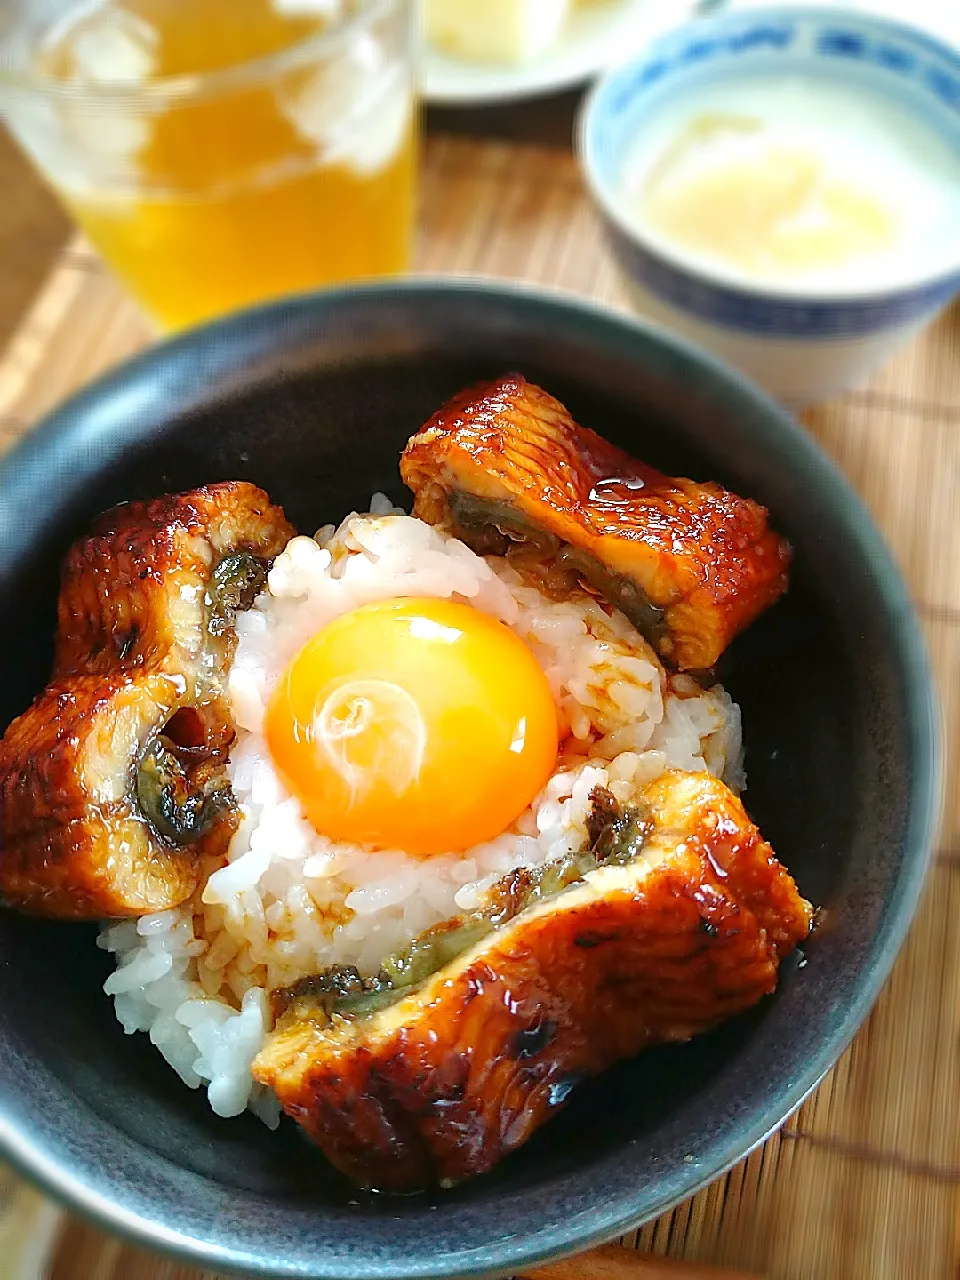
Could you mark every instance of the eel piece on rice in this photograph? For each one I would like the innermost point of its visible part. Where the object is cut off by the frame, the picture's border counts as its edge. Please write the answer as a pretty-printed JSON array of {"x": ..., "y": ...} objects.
[
  {"x": 79, "y": 773},
  {"x": 689, "y": 563},
  {"x": 154, "y": 583},
  {"x": 449, "y": 1076},
  {"x": 113, "y": 783}
]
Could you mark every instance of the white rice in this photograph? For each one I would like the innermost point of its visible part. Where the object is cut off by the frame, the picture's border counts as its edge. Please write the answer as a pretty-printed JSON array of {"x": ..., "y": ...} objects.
[{"x": 289, "y": 902}]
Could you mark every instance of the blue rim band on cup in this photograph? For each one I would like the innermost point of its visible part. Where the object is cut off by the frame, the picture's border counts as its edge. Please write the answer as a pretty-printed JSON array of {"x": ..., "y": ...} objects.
[{"x": 772, "y": 316}]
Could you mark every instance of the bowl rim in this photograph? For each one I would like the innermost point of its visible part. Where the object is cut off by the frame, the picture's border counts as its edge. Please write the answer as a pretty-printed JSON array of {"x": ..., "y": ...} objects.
[
  {"x": 66, "y": 428},
  {"x": 717, "y": 276}
]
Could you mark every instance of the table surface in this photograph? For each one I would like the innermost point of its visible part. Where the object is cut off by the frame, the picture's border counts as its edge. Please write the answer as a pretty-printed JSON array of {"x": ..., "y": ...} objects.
[{"x": 864, "y": 1181}]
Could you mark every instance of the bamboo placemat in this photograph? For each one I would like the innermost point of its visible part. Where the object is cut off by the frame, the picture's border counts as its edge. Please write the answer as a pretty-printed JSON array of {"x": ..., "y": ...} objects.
[{"x": 864, "y": 1182}]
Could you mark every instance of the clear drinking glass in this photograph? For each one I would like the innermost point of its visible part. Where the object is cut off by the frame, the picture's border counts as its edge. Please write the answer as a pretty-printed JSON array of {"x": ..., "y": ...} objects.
[{"x": 221, "y": 152}]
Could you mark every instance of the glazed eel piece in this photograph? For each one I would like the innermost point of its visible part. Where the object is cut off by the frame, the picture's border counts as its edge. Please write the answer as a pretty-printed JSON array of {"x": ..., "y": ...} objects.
[
  {"x": 113, "y": 783},
  {"x": 689, "y": 563},
  {"x": 674, "y": 918}
]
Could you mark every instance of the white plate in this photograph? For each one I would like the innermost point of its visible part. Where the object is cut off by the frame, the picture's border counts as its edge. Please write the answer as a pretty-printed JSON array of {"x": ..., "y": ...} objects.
[{"x": 598, "y": 35}]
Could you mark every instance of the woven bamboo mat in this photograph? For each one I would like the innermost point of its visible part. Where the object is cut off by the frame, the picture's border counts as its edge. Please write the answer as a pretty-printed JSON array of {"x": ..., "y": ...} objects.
[{"x": 864, "y": 1182}]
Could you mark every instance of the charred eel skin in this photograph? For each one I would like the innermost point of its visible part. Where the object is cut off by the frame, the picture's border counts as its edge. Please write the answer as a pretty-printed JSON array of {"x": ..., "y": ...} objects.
[
  {"x": 689, "y": 563},
  {"x": 442, "y": 1083},
  {"x": 113, "y": 783}
]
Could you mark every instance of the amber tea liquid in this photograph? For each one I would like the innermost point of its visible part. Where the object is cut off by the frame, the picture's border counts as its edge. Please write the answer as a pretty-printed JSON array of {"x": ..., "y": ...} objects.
[{"x": 283, "y": 159}]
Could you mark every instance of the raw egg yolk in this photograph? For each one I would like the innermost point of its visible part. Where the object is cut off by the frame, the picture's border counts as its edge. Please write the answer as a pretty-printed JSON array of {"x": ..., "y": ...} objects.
[{"x": 422, "y": 725}]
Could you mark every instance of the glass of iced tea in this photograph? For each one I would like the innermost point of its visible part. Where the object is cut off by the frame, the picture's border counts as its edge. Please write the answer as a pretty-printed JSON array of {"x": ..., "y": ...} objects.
[{"x": 221, "y": 152}]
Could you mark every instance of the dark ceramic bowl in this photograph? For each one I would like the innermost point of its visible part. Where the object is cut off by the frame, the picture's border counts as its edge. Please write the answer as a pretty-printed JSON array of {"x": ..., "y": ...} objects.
[{"x": 314, "y": 399}]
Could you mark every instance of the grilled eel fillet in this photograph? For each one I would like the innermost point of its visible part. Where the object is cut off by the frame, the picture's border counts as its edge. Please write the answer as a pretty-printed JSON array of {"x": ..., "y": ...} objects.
[
  {"x": 440, "y": 1085},
  {"x": 112, "y": 783},
  {"x": 690, "y": 564},
  {"x": 141, "y": 589}
]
